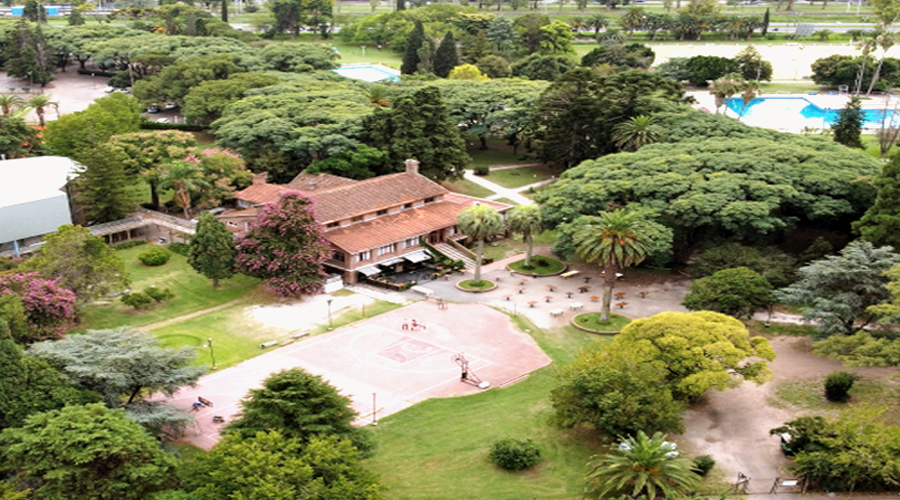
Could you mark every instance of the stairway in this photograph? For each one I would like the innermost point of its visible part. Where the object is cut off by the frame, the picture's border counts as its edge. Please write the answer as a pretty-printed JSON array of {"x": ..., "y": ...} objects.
[{"x": 455, "y": 254}]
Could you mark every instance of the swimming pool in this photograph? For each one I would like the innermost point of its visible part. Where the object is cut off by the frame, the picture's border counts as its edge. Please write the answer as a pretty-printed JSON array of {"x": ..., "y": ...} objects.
[
  {"x": 793, "y": 113},
  {"x": 369, "y": 73}
]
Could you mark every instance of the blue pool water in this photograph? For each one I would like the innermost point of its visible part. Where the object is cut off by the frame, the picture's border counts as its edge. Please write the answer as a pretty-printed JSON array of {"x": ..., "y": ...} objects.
[
  {"x": 368, "y": 73},
  {"x": 793, "y": 113}
]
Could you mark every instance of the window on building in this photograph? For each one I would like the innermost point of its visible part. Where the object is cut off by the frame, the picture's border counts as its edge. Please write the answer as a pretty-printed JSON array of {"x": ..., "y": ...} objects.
[
  {"x": 387, "y": 249},
  {"x": 381, "y": 212},
  {"x": 232, "y": 224},
  {"x": 411, "y": 242},
  {"x": 429, "y": 200},
  {"x": 338, "y": 256},
  {"x": 246, "y": 225},
  {"x": 361, "y": 256},
  {"x": 358, "y": 218},
  {"x": 333, "y": 224},
  {"x": 407, "y": 206},
  {"x": 451, "y": 231},
  {"x": 243, "y": 203}
]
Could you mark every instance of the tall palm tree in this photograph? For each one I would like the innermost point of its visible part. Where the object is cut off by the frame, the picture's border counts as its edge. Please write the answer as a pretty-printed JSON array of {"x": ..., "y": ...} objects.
[
  {"x": 526, "y": 220},
  {"x": 617, "y": 239},
  {"x": 10, "y": 102},
  {"x": 183, "y": 178},
  {"x": 724, "y": 88},
  {"x": 885, "y": 41},
  {"x": 643, "y": 465},
  {"x": 479, "y": 222},
  {"x": 637, "y": 132},
  {"x": 749, "y": 92},
  {"x": 40, "y": 103},
  {"x": 597, "y": 22},
  {"x": 632, "y": 20},
  {"x": 867, "y": 46}
]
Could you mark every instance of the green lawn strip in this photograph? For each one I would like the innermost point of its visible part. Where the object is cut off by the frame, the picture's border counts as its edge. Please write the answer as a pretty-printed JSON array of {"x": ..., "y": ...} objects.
[
  {"x": 779, "y": 329},
  {"x": 193, "y": 292},
  {"x": 506, "y": 200},
  {"x": 472, "y": 285},
  {"x": 356, "y": 314},
  {"x": 592, "y": 321},
  {"x": 789, "y": 88},
  {"x": 468, "y": 188},
  {"x": 187, "y": 451},
  {"x": 512, "y": 178},
  {"x": 494, "y": 155},
  {"x": 353, "y": 53},
  {"x": 809, "y": 395},
  {"x": 553, "y": 266}
]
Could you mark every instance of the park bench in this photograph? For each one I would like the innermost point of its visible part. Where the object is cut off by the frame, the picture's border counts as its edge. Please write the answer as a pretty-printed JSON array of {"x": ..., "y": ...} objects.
[
  {"x": 205, "y": 402},
  {"x": 570, "y": 274},
  {"x": 300, "y": 334},
  {"x": 427, "y": 292},
  {"x": 268, "y": 344}
]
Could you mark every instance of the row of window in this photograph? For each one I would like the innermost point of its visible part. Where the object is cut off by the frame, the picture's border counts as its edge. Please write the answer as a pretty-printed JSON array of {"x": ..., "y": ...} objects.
[
  {"x": 386, "y": 249},
  {"x": 380, "y": 213}
]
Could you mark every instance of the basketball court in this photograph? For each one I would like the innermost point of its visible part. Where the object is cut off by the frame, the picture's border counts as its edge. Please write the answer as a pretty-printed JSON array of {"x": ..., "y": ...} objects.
[{"x": 382, "y": 366}]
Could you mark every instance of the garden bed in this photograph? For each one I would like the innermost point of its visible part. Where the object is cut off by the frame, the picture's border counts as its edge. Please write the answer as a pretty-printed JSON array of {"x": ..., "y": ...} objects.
[
  {"x": 590, "y": 322},
  {"x": 481, "y": 287},
  {"x": 552, "y": 267}
]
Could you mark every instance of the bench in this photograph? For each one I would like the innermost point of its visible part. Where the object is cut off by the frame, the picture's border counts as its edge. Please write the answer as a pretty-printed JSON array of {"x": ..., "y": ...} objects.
[
  {"x": 268, "y": 344},
  {"x": 427, "y": 292},
  {"x": 299, "y": 335},
  {"x": 570, "y": 274},
  {"x": 205, "y": 402}
]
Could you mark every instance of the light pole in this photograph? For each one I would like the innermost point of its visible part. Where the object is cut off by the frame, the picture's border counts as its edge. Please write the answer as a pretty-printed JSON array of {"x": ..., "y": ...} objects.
[
  {"x": 212, "y": 353},
  {"x": 329, "y": 313},
  {"x": 374, "y": 411}
]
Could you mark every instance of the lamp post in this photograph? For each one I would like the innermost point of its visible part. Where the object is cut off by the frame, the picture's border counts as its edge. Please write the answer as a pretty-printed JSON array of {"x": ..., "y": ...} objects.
[
  {"x": 329, "y": 313},
  {"x": 374, "y": 411},
  {"x": 212, "y": 353}
]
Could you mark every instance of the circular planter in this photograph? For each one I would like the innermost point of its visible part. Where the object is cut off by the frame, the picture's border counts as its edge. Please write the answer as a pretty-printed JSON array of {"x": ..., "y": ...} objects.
[
  {"x": 591, "y": 330},
  {"x": 476, "y": 290},
  {"x": 533, "y": 274}
]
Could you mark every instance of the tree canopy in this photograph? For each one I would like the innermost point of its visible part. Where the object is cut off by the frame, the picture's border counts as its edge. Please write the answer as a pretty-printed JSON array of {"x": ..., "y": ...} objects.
[{"x": 737, "y": 292}]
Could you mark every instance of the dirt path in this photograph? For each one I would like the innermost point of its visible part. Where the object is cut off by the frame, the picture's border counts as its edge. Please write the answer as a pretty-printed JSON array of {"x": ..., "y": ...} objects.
[{"x": 185, "y": 317}]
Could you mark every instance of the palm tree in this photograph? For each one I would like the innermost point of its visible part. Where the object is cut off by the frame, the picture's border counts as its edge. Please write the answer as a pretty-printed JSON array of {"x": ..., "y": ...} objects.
[
  {"x": 597, "y": 22},
  {"x": 479, "y": 222},
  {"x": 40, "y": 102},
  {"x": 637, "y": 132},
  {"x": 183, "y": 178},
  {"x": 10, "y": 102},
  {"x": 749, "y": 92},
  {"x": 885, "y": 41},
  {"x": 867, "y": 47},
  {"x": 643, "y": 465},
  {"x": 378, "y": 95},
  {"x": 632, "y": 20},
  {"x": 617, "y": 239},
  {"x": 526, "y": 220},
  {"x": 724, "y": 88}
]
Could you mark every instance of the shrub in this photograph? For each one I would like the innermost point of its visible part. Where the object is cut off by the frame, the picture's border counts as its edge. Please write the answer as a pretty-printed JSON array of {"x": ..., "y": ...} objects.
[
  {"x": 180, "y": 248},
  {"x": 136, "y": 300},
  {"x": 541, "y": 262},
  {"x": 515, "y": 454},
  {"x": 837, "y": 386},
  {"x": 155, "y": 256},
  {"x": 129, "y": 244},
  {"x": 703, "y": 464},
  {"x": 482, "y": 170},
  {"x": 158, "y": 294}
]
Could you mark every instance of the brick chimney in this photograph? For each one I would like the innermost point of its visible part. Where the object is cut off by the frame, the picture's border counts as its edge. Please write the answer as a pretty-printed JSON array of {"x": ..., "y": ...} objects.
[
  {"x": 259, "y": 179},
  {"x": 412, "y": 166}
]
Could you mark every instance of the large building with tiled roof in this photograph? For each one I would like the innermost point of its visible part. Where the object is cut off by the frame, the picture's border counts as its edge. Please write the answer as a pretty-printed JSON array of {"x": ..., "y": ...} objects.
[{"x": 373, "y": 225}]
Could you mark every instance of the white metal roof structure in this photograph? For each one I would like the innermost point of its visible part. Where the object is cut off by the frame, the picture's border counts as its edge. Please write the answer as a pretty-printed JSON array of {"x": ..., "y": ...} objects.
[{"x": 33, "y": 199}]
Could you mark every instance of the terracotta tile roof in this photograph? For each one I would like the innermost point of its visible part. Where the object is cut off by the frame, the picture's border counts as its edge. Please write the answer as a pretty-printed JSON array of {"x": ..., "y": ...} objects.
[
  {"x": 407, "y": 224},
  {"x": 318, "y": 182},
  {"x": 260, "y": 194},
  {"x": 372, "y": 195},
  {"x": 246, "y": 212}
]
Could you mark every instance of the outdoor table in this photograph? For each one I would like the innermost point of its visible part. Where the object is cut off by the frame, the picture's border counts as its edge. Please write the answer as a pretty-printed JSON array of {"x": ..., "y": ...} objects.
[
  {"x": 556, "y": 312},
  {"x": 575, "y": 305}
]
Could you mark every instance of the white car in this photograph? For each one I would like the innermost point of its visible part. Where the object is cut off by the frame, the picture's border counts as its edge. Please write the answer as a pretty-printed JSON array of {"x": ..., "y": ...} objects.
[
  {"x": 169, "y": 106},
  {"x": 163, "y": 120},
  {"x": 109, "y": 90}
]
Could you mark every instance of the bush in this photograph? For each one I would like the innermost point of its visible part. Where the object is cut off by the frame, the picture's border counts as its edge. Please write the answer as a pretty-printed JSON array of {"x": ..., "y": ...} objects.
[
  {"x": 515, "y": 454},
  {"x": 136, "y": 300},
  {"x": 482, "y": 170},
  {"x": 838, "y": 385},
  {"x": 703, "y": 464},
  {"x": 158, "y": 294},
  {"x": 155, "y": 256},
  {"x": 540, "y": 262},
  {"x": 129, "y": 244},
  {"x": 180, "y": 248}
]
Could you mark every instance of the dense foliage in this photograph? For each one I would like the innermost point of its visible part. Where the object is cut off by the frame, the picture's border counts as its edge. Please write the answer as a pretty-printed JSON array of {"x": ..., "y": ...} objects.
[
  {"x": 48, "y": 308},
  {"x": 737, "y": 292},
  {"x": 515, "y": 454},
  {"x": 212, "y": 250},
  {"x": 881, "y": 223}
]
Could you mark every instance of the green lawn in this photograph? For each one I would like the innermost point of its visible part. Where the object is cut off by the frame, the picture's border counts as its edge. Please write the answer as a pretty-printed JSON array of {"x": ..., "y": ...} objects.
[
  {"x": 468, "y": 188},
  {"x": 809, "y": 395},
  {"x": 193, "y": 292},
  {"x": 592, "y": 321},
  {"x": 472, "y": 285},
  {"x": 506, "y": 200},
  {"x": 517, "y": 177},
  {"x": 553, "y": 266},
  {"x": 789, "y": 88},
  {"x": 496, "y": 154},
  {"x": 438, "y": 449}
]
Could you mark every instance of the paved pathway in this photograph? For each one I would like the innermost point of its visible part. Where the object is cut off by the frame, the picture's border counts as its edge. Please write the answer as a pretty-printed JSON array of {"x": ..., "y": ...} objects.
[{"x": 502, "y": 192}]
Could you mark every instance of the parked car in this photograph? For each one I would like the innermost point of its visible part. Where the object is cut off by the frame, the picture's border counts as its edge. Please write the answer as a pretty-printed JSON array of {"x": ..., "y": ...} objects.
[
  {"x": 163, "y": 120},
  {"x": 170, "y": 106},
  {"x": 153, "y": 108}
]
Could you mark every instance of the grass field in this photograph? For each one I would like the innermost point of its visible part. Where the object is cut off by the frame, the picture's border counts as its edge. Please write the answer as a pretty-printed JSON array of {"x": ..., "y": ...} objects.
[
  {"x": 554, "y": 266},
  {"x": 467, "y": 187},
  {"x": 518, "y": 177},
  {"x": 496, "y": 154},
  {"x": 426, "y": 450},
  {"x": 506, "y": 200},
  {"x": 193, "y": 292},
  {"x": 809, "y": 395},
  {"x": 592, "y": 321}
]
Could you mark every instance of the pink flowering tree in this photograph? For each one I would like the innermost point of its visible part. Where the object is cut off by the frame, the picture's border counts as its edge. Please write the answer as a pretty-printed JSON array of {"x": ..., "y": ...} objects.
[
  {"x": 285, "y": 247},
  {"x": 49, "y": 308}
]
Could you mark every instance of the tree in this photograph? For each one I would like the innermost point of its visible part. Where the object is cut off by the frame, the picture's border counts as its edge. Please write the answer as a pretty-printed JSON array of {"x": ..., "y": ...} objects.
[
  {"x": 724, "y": 88},
  {"x": 494, "y": 67},
  {"x": 46, "y": 308},
  {"x": 468, "y": 72},
  {"x": 525, "y": 220},
  {"x": 700, "y": 350},
  {"x": 40, "y": 103},
  {"x": 80, "y": 262},
  {"x": 298, "y": 405},
  {"x": 479, "y": 222},
  {"x": 411, "y": 55},
  {"x": 275, "y": 466},
  {"x": 144, "y": 153},
  {"x": 34, "y": 11},
  {"x": 175, "y": 81},
  {"x": 205, "y": 102},
  {"x": 419, "y": 126},
  {"x": 637, "y": 132},
  {"x": 446, "y": 57},
  {"x": 103, "y": 187},
  {"x": 707, "y": 68},
  {"x": 642, "y": 467},
  {"x": 556, "y": 38},
  {"x": 622, "y": 57},
  {"x": 75, "y": 18},
  {"x": 752, "y": 66},
  {"x": 77, "y": 135},
  {"x": 285, "y": 247},
  {"x": 123, "y": 364},
  {"x": 212, "y": 249},
  {"x": 29, "y": 385},
  {"x": 28, "y": 55},
  {"x": 880, "y": 225},
  {"x": 613, "y": 391},
  {"x": 478, "y": 48},
  {"x": 848, "y": 127},
  {"x": 9, "y": 103},
  {"x": 837, "y": 291},
  {"x": 771, "y": 263},
  {"x": 86, "y": 453},
  {"x": 737, "y": 292},
  {"x": 18, "y": 140},
  {"x": 183, "y": 178},
  {"x": 618, "y": 240}
]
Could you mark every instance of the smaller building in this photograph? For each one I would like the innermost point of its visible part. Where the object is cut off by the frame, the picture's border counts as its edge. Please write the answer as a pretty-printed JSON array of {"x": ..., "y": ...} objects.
[{"x": 34, "y": 200}]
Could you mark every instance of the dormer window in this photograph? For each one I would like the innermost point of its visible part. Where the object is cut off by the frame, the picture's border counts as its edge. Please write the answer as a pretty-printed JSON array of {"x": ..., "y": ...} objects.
[
  {"x": 381, "y": 212},
  {"x": 429, "y": 200},
  {"x": 331, "y": 225},
  {"x": 407, "y": 206},
  {"x": 243, "y": 203}
]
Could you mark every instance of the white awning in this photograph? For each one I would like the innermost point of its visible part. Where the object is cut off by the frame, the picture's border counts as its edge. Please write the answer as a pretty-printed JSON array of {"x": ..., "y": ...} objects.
[
  {"x": 391, "y": 261},
  {"x": 417, "y": 256},
  {"x": 369, "y": 270}
]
